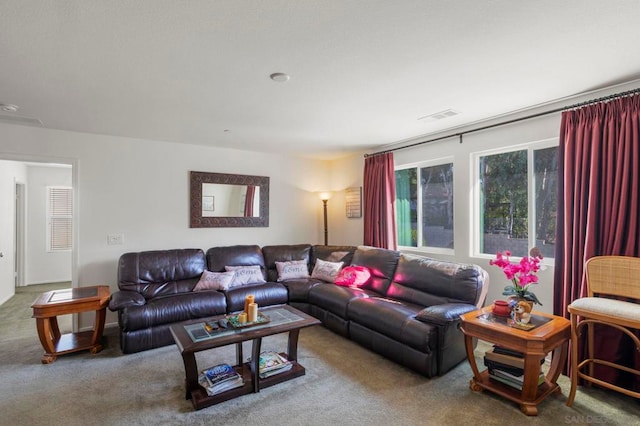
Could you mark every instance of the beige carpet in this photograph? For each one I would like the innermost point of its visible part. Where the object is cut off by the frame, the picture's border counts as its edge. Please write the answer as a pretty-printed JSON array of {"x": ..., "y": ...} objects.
[{"x": 345, "y": 385}]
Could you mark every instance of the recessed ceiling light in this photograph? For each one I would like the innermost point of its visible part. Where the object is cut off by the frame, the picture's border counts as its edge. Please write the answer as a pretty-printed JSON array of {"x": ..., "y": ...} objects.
[
  {"x": 280, "y": 77},
  {"x": 9, "y": 107}
]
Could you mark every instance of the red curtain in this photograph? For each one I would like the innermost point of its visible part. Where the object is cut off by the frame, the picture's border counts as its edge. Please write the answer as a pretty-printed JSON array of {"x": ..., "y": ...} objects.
[
  {"x": 598, "y": 210},
  {"x": 248, "y": 201},
  {"x": 379, "y": 197}
]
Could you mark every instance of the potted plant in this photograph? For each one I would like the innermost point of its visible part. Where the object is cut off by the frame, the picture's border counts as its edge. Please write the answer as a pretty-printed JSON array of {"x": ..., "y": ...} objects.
[{"x": 522, "y": 275}]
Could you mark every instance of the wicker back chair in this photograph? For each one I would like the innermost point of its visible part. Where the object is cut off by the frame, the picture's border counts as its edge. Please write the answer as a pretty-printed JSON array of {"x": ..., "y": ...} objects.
[{"x": 617, "y": 276}]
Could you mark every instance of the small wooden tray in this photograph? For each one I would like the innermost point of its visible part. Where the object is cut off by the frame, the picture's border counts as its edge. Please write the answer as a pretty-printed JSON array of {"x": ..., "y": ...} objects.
[{"x": 262, "y": 319}]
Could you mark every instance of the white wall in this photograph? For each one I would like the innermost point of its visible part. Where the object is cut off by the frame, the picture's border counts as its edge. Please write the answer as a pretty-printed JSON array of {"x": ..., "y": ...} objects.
[
  {"x": 346, "y": 172},
  {"x": 43, "y": 266},
  {"x": 10, "y": 173},
  {"x": 140, "y": 189}
]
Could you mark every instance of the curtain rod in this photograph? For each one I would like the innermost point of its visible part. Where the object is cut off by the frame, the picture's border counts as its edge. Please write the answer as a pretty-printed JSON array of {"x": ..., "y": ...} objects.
[{"x": 515, "y": 120}]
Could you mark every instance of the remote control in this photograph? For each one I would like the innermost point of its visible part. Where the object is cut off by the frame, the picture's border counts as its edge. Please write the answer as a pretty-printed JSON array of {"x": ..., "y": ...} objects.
[{"x": 211, "y": 326}]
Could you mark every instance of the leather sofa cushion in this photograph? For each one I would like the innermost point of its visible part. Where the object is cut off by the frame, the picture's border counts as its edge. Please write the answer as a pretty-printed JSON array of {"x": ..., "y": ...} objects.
[
  {"x": 299, "y": 289},
  {"x": 396, "y": 320},
  {"x": 332, "y": 254},
  {"x": 428, "y": 282},
  {"x": 283, "y": 253},
  {"x": 265, "y": 294},
  {"x": 335, "y": 298},
  {"x": 171, "y": 309},
  {"x": 382, "y": 264},
  {"x": 241, "y": 255},
  {"x": 161, "y": 272}
]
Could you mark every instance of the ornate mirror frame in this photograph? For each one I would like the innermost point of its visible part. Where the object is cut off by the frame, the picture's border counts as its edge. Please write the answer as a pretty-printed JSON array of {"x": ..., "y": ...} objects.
[{"x": 199, "y": 221}]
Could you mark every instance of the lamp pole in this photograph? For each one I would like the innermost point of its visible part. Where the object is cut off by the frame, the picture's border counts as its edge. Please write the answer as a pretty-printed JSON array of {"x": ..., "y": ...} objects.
[{"x": 326, "y": 230}]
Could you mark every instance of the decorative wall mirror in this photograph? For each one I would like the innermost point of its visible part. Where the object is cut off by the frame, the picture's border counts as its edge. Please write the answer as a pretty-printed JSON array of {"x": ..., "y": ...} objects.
[{"x": 226, "y": 200}]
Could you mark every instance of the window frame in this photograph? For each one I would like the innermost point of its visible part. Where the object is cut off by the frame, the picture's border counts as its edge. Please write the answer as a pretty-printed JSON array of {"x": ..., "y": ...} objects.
[
  {"x": 419, "y": 165},
  {"x": 49, "y": 216},
  {"x": 530, "y": 147}
]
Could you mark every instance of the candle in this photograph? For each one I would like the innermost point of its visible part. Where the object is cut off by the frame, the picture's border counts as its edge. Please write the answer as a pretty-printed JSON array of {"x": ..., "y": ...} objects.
[
  {"x": 247, "y": 300},
  {"x": 242, "y": 318},
  {"x": 252, "y": 316}
]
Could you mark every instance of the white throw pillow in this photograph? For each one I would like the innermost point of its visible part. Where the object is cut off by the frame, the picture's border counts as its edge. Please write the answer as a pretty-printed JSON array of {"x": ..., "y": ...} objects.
[
  {"x": 245, "y": 275},
  {"x": 214, "y": 281},
  {"x": 326, "y": 271},
  {"x": 292, "y": 269}
]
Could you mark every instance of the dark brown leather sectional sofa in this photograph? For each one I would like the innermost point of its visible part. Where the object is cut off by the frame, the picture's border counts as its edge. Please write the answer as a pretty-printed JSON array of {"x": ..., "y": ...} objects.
[{"x": 408, "y": 311}]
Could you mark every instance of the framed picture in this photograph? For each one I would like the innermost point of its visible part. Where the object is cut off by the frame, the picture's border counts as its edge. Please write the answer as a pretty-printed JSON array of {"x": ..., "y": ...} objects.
[
  {"x": 353, "y": 199},
  {"x": 207, "y": 203}
]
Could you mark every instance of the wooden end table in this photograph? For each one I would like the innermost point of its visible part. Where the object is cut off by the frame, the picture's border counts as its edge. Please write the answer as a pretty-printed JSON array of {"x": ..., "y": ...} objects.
[
  {"x": 49, "y": 305},
  {"x": 551, "y": 335}
]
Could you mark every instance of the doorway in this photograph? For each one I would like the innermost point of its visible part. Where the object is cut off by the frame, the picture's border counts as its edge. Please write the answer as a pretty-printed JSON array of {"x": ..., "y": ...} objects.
[
  {"x": 28, "y": 264},
  {"x": 19, "y": 235}
]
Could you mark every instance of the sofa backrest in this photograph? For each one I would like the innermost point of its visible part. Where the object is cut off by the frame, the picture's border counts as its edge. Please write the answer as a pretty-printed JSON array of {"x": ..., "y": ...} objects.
[
  {"x": 380, "y": 262},
  {"x": 241, "y": 255},
  {"x": 332, "y": 254},
  {"x": 283, "y": 253},
  {"x": 160, "y": 272},
  {"x": 426, "y": 282}
]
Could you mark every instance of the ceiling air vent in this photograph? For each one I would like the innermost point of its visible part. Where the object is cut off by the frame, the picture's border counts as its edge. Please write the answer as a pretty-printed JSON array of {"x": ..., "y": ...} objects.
[
  {"x": 439, "y": 115},
  {"x": 17, "y": 119}
]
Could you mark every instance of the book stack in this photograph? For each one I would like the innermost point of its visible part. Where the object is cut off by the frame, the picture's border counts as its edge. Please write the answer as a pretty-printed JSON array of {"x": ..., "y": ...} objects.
[
  {"x": 272, "y": 363},
  {"x": 219, "y": 378},
  {"x": 507, "y": 366}
]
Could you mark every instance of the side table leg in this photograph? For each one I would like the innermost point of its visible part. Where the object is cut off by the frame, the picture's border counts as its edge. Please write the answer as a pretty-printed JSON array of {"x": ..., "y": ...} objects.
[
  {"x": 473, "y": 384},
  {"x": 46, "y": 339},
  {"x": 55, "y": 330},
  {"x": 191, "y": 373},
  {"x": 530, "y": 384},
  {"x": 255, "y": 363},
  {"x": 98, "y": 328},
  {"x": 292, "y": 346},
  {"x": 558, "y": 359}
]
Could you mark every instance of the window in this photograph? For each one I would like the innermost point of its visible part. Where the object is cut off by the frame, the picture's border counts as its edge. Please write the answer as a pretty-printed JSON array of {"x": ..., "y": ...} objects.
[
  {"x": 517, "y": 200},
  {"x": 59, "y": 218},
  {"x": 424, "y": 206}
]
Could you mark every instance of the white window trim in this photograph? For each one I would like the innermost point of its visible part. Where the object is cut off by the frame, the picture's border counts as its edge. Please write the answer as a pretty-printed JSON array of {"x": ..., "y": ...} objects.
[
  {"x": 428, "y": 163},
  {"x": 475, "y": 193},
  {"x": 48, "y": 218}
]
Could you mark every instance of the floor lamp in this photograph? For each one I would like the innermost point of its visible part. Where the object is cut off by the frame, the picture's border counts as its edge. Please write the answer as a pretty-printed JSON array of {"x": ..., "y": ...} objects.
[{"x": 324, "y": 196}]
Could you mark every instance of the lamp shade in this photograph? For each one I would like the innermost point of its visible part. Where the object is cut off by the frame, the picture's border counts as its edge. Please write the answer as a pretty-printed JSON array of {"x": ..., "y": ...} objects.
[{"x": 324, "y": 195}]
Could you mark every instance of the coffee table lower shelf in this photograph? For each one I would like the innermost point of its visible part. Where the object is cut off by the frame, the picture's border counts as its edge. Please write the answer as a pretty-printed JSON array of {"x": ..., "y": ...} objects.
[
  {"x": 200, "y": 399},
  {"x": 544, "y": 389}
]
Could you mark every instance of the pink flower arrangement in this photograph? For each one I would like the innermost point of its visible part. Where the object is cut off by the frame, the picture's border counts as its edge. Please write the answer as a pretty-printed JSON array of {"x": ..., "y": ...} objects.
[{"x": 522, "y": 274}]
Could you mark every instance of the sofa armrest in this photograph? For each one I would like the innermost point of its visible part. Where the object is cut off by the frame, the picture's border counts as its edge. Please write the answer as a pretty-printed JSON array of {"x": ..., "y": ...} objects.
[
  {"x": 444, "y": 314},
  {"x": 446, "y": 318},
  {"x": 123, "y": 299}
]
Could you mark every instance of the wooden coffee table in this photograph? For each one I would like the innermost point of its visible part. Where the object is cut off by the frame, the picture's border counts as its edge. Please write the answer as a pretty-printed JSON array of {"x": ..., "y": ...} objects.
[
  {"x": 283, "y": 319},
  {"x": 551, "y": 335},
  {"x": 49, "y": 305}
]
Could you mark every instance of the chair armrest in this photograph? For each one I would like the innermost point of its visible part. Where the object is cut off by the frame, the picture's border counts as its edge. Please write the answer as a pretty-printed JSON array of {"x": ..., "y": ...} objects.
[
  {"x": 123, "y": 299},
  {"x": 444, "y": 314}
]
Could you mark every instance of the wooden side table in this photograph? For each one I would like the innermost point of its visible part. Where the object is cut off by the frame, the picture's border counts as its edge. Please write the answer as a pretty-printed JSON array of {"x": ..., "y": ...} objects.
[
  {"x": 49, "y": 305},
  {"x": 552, "y": 334}
]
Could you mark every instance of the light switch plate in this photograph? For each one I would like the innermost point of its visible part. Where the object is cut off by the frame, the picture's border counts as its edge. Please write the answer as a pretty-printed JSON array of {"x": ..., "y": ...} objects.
[{"x": 115, "y": 239}]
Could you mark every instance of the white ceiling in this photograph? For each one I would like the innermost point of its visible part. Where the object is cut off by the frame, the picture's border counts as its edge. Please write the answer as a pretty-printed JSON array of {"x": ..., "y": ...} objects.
[{"x": 362, "y": 71}]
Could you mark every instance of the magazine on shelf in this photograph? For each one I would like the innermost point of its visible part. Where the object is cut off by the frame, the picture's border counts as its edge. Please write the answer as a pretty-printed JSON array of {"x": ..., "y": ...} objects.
[
  {"x": 219, "y": 378},
  {"x": 513, "y": 380},
  {"x": 273, "y": 363}
]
